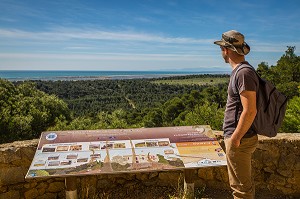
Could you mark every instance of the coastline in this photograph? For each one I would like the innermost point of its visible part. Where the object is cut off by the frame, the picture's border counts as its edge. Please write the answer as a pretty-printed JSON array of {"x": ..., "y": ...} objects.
[{"x": 15, "y": 76}]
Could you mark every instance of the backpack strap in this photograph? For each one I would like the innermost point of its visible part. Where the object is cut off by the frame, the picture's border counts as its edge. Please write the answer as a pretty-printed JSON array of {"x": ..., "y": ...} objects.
[
  {"x": 240, "y": 67},
  {"x": 235, "y": 87}
]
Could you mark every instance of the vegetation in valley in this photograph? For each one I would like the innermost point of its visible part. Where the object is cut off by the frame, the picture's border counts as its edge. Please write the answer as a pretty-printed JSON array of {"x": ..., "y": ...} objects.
[
  {"x": 28, "y": 108},
  {"x": 201, "y": 80}
]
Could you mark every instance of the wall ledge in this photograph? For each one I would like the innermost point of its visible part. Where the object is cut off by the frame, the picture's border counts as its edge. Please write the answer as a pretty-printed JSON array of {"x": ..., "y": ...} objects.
[{"x": 276, "y": 165}]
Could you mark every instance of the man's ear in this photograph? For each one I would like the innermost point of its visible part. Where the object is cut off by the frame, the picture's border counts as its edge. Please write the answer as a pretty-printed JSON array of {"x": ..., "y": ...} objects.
[
  {"x": 229, "y": 51},
  {"x": 226, "y": 50}
]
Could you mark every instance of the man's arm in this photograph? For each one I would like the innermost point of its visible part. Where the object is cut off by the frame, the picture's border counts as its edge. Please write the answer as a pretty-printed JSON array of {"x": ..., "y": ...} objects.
[{"x": 248, "y": 100}]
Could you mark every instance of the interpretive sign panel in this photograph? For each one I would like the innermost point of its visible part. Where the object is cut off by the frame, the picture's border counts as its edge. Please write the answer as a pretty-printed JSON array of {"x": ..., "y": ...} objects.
[{"x": 84, "y": 152}]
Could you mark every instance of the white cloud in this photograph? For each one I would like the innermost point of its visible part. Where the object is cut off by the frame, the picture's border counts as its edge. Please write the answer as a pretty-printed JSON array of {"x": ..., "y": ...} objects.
[
  {"x": 67, "y": 34},
  {"x": 105, "y": 56}
]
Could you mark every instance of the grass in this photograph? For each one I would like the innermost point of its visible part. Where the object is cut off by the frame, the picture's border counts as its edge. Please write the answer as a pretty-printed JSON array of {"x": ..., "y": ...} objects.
[
  {"x": 181, "y": 193},
  {"x": 194, "y": 81}
]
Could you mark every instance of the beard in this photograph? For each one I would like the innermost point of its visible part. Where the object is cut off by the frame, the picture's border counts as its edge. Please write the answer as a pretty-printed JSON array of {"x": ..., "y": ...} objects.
[{"x": 226, "y": 59}]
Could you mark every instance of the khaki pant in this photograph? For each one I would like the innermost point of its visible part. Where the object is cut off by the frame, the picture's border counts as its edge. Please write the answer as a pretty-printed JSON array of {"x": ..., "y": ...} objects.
[{"x": 239, "y": 167}]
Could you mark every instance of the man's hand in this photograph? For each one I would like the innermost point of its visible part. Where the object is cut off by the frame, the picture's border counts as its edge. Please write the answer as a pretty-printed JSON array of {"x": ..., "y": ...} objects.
[{"x": 235, "y": 141}]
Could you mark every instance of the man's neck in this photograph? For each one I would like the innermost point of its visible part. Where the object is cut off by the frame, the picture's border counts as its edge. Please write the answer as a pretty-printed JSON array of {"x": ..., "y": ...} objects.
[{"x": 235, "y": 63}]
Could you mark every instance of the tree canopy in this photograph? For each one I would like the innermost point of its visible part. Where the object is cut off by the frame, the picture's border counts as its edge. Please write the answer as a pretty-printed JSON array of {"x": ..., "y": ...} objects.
[
  {"x": 25, "y": 111},
  {"x": 286, "y": 74},
  {"x": 28, "y": 108}
]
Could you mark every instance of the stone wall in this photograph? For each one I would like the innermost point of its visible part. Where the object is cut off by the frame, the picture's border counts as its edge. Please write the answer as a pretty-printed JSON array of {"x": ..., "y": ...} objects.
[{"x": 276, "y": 165}]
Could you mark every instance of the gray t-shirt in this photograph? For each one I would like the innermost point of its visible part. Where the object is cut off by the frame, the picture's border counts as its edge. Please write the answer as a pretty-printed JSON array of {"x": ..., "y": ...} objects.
[{"x": 246, "y": 79}]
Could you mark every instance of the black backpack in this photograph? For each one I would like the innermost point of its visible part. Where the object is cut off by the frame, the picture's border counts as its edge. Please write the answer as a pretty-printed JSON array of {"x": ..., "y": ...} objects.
[{"x": 270, "y": 105}]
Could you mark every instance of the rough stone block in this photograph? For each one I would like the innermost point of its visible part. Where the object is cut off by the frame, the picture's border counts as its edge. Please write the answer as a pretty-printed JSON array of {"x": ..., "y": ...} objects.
[
  {"x": 7, "y": 156},
  {"x": 41, "y": 191},
  {"x": 285, "y": 172},
  {"x": 153, "y": 175},
  {"x": 271, "y": 157},
  {"x": 276, "y": 180},
  {"x": 12, "y": 175},
  {"x": 168, "y": 176},
  {"x": 297, "y": 163},
  {"x": 32, "y": 193},
  {"x": 287, "y": 161},
  {"x": 48, "y": 196},
  {"x": 10, "y": 195},
  {"x": 221, "y": 174},
  {"x": 206, "y": 173},
  {"x": 142, "y": 176},
  {"x": 30, "y": 185},
  {"x": 3, "y": 189},
  {"x": 42, "y": 185},
  {"x": 285, "y": 190},
  {"x": 56, "y": 187},
  {"x": 270, "y": 169}
]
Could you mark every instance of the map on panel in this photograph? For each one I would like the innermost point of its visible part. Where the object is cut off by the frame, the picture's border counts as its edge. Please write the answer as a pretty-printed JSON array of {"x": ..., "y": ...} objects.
[{"x": 88, "y": 152}]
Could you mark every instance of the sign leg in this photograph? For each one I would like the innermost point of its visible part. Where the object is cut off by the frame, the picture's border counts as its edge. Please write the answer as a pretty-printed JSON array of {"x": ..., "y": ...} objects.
[
  {"x": 189, "y": 183},
  {"x": 71, "y": 188}
]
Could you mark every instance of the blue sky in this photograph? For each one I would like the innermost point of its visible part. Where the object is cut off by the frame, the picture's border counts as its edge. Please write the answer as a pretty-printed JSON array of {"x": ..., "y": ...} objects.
[{"x": 141, "y": 34}]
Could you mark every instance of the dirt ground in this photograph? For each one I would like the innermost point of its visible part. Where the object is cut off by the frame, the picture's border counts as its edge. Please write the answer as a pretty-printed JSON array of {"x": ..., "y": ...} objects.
[
  {"x": 158, "y": 193},
  {"x": 146, "y": 192}
]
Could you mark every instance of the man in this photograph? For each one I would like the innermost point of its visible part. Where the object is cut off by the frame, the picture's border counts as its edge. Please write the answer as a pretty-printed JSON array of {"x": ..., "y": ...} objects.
[{"x": 240, "y": 139}]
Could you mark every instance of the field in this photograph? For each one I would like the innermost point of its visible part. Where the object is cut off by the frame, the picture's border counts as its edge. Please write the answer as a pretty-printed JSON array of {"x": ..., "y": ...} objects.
[{"x": 193, "y": 81}]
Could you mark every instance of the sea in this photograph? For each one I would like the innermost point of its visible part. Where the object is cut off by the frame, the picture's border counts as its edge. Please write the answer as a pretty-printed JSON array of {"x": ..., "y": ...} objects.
[{"x": 23, "y": 75}]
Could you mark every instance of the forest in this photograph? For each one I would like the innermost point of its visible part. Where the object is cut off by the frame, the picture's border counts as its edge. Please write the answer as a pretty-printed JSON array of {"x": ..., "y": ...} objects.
[{"x": 30, "y": 107}]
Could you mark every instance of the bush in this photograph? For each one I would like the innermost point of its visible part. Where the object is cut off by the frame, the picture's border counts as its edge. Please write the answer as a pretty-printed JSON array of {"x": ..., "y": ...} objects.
[{"x": 25, "y": 111}]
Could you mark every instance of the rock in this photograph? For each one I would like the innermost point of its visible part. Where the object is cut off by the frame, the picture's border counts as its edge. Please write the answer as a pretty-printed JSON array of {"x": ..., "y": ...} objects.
[
  {"x": 56, "y": 187},
  {"x": 50, "y": 180},
  {"x": 285, "y": 190},
  {"x": 206, "y": 173},
  {"x": 130, "y": 185},
  {"x": 126, "y": 176},
  {"x": 257, "y": 160},
  {"x": 42, "y": 185},
  {"x": 276, "y": 180},
  {"x": 11, "y": 175},
  {"x": 27, "y": 154},
  {"x": 8, "y": 156},
  {"x": 19, "y": 187},
  {"x": 285, "y": 172},
  {"x": 120, "y": 181},
  {"x": 48, "y": 196},
  {"x": 168, "y": 176},
  {"x": 153, "y": 175},
  {"x": 30, "y": 185},
  {"x": 294, "y": 181},
  {"x": 271, "y": 156},
  {"x": 287, "y": 161},
  {"x": 270, "y": 169},
  {"x": 41, "y": 191},
  {"x": 32, "y": 193},
  {"x": 151, "y": 182},
  {"x": 221, "y": 174},
  {"x": 297, "y": 163},
  {"x": 10, "y": 195},
  {"x": 142, "y": 176},
  {"x": 3, "y": 189}
]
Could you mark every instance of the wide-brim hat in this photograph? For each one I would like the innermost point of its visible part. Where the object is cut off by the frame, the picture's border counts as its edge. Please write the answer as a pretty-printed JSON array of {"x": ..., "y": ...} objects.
[{"x": 235, "y": 41}]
